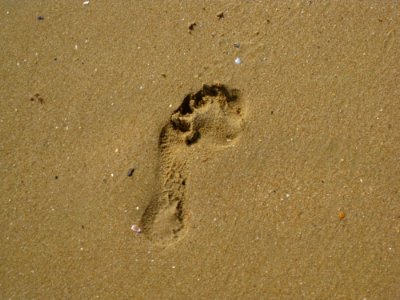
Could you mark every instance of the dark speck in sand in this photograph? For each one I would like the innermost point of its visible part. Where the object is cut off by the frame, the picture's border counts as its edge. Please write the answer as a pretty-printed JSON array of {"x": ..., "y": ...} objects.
[{"x": 130, "y": 172}]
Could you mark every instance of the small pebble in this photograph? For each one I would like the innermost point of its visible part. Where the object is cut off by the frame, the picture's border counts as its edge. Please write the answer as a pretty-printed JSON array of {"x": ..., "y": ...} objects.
[
  {"x": 130, "y": 172},
  {"x": 40, "y": 18},
  {"x": 192, "y": 25},
  {"x": 236, "y": 45},
  {"x": 341, "y": 215},
  {"x": 136, "y": 229},
  {"x": 238, "y": 61}
]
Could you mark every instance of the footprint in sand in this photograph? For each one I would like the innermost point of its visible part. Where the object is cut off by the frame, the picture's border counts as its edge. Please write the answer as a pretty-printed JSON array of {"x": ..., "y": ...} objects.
[{"x": 214, "y": 116}]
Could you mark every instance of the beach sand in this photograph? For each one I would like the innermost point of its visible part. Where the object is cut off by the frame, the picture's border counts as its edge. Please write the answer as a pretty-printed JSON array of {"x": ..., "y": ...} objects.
[{"x": 200, "y": 150}]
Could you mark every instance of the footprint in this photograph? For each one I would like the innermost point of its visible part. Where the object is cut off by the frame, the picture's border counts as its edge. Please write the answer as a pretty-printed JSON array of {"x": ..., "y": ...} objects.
[{"x": 214, "y": 116}]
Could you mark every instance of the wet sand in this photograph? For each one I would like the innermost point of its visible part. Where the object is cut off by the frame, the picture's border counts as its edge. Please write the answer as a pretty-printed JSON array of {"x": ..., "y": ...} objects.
[{"x": 253, "y": 146}]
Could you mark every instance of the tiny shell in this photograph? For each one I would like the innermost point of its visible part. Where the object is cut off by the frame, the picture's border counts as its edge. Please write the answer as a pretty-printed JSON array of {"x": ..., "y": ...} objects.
[{"x": 136, "y": 228}]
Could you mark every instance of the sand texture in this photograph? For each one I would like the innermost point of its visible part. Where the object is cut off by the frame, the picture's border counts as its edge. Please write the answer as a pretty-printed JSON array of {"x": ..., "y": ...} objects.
[{"x": 200, "y": 150}]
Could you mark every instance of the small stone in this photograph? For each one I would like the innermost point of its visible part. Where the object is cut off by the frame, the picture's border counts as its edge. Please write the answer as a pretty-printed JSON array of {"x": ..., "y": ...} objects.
[
  {"x": 136, "y": 229},
  {"x": 130, "y": 172},
  {"x": 220, "y": 15},
  {"x": 40, "y": 18},
  {"x": 341, "y": 215},
  {"x": 192, "y": 25},
  {"x": 238, "y": 61}
]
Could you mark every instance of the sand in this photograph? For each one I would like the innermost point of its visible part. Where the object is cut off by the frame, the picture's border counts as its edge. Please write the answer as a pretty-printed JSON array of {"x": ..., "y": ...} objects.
[{"x": 200, "y": 150}]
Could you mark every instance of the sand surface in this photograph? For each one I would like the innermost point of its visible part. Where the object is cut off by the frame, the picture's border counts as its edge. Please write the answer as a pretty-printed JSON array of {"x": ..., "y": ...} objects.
[{"x": 278, "y": 179}]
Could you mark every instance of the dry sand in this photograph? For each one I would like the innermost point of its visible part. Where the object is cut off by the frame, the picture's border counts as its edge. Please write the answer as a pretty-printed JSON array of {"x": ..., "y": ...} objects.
[{"x": 280, "y": 180}]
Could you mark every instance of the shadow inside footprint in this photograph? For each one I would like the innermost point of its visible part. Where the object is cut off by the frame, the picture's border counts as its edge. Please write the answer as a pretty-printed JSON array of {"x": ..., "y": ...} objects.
[{"x": 213, "y": 115}]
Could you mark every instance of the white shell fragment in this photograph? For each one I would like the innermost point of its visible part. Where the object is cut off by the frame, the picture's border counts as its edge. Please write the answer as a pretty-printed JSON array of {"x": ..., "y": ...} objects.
[{"x": 136, "y": 229}]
